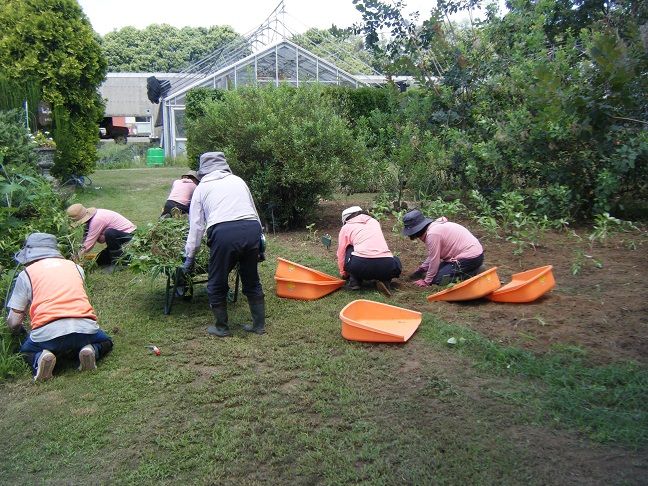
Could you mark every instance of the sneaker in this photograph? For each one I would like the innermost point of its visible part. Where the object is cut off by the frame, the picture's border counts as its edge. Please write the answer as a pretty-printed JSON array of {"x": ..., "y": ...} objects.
[
  {"x": 384, "y": 288},
  {"x": 45, "y": 366},
  {"x": 87, "y": 358}
]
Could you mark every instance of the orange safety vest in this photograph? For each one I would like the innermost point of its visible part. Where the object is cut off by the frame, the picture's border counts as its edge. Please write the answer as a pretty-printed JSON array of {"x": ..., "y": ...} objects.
[{"x": 58, "y": 292}]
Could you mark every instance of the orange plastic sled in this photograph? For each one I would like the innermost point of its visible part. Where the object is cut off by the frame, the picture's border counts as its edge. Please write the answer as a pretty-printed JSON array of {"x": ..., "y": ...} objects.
[
  {"x": 375, "y": 322},
  {"x": 296, "y": 281},
  {"x": 526, "y": 286},
  {"x": 474, "y": 288},
  {"x": 291, "y": 270}
]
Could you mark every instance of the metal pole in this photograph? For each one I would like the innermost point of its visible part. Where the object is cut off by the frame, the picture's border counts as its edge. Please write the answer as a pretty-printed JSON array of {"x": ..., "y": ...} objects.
[{"x": 26, "y": 116}]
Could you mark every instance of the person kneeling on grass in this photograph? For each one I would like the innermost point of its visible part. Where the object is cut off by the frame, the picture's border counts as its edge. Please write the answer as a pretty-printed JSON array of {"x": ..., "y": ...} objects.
[
  {"x": 362, "y": 252},
  {"x": 62, "y": 318},
  {"x": 454, "y": 254}
]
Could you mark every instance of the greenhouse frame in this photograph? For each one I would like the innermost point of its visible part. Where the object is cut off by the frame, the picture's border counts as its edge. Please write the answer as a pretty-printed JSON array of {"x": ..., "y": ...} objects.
[{"x": 263, "y": 57}]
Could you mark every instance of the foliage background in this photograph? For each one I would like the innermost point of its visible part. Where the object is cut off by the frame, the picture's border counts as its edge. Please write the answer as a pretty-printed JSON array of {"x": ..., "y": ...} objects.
[{"x": 56, "y": 46}]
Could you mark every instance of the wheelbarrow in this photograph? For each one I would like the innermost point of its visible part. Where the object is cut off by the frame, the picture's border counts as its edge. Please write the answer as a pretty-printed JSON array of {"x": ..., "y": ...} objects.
[{"x": 180, "y": 284}]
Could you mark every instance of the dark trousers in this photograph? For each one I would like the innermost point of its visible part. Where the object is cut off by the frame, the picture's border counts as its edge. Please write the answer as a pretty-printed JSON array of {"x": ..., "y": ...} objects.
[
  {"x": 232, "y": 243},
  {"x": 115, "y": 239},
  {"x": 169, "y": 205},
  {"x": 371, "y": 268},
  {"x": 70, "y": 342},
  {"x": 456, "y": 271}
]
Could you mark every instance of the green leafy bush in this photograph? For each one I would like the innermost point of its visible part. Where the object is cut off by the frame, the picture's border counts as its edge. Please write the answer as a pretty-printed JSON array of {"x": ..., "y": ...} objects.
[{"x": 292, "y": 149}]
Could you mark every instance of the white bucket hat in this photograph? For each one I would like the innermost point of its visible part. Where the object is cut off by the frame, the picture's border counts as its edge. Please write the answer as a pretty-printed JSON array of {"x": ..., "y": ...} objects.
[{"x": 349, "y": 211}]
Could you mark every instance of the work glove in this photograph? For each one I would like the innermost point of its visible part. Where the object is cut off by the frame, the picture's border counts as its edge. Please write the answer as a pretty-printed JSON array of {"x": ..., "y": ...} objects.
[
  {"x": 420, "y": 271},
  {"x": 17, "y": 331},
  {"x": 421, "y": 283},
  {"x": 189, "y": 264}
]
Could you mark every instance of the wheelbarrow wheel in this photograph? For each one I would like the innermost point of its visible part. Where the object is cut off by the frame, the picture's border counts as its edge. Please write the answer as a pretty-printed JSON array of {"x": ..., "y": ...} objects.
[
  {"x": 174, "y": 277},
  {"x": 234, "y": 283}
]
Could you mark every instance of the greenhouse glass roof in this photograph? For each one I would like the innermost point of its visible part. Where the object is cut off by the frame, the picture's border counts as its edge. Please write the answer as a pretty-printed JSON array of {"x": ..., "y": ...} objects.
[{"x": 268, "y": 55}]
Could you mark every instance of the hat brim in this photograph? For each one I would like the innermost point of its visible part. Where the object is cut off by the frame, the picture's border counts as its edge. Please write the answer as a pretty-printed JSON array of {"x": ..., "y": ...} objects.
[
  {"x": 28, "y": 255},
  {"x": 415, "y": 229},
  {"x": 90, "y": 212}
]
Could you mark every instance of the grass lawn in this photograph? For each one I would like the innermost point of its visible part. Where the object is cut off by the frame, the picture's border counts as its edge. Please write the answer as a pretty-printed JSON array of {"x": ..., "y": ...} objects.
[{"x": 300, "y": 405}]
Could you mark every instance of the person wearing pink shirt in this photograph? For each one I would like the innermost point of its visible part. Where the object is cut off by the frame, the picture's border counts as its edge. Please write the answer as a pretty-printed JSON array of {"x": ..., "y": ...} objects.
[
  {"x": 362, "y": 252},
  {"x": 181, "y": 191},
  {"x": 454, "y": 254},
  {"x": 102, "y": 226}
]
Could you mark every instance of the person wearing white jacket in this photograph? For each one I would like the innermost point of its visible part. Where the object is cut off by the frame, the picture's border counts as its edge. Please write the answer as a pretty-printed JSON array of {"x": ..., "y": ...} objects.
[{"x": 223, "y": 208}]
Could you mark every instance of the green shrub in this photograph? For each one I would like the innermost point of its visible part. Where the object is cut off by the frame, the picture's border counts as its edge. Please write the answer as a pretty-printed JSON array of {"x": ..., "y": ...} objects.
[{"x": 292, "y": 149}]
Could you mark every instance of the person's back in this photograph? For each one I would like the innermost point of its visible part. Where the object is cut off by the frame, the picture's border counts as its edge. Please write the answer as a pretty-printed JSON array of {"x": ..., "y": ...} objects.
[
  {"x": 363, "y": 252},
  {"x": 62, "y": 319},
  {"x": 223, "y": 208}
]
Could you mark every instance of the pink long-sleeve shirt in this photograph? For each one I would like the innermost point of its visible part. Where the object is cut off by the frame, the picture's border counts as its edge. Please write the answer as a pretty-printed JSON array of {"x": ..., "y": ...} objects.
[
  {"x": 103, "y": 219},
  {"x": 448, "y": 242},
  {"x": 364, "y": 233},
  {"x": 181, "y": 191}
]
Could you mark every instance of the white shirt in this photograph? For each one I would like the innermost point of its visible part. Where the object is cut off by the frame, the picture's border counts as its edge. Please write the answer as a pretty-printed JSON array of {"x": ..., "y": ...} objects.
[{"x": 220, "y": 197}]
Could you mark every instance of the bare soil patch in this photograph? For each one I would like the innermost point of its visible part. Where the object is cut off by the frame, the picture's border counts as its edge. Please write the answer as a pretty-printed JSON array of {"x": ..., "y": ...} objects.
[{"x": 603, "y": 310}]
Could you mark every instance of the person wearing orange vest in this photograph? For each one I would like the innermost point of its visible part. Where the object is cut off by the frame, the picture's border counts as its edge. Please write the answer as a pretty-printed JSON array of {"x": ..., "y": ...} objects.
[{"x": 61, "y": 317}]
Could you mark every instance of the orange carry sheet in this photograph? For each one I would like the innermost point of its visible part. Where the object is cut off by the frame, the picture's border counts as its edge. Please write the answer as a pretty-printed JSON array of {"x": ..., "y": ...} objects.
[
  {"x": 295, "y": 281},
  {"x": 526, "y": 286},
  {"x": 474, "y": 288},
  {"x": 375, "y": 322}
]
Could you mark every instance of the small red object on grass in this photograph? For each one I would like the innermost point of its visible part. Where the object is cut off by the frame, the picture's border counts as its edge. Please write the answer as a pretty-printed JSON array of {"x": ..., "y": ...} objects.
[{"x": 155, "y": 350}]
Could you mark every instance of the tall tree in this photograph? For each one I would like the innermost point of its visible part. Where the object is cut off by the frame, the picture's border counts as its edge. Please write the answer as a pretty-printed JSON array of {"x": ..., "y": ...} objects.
[
  {"x": 163, "y": 48},
  {"x": 52, "y": 41}
]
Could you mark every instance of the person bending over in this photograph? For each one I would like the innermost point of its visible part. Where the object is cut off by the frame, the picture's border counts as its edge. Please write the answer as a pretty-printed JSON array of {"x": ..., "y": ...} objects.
[
  {"x": 102, "y": 226},
  {"x": 223, "y": 206},
  {"x": 180, "y": 196}
]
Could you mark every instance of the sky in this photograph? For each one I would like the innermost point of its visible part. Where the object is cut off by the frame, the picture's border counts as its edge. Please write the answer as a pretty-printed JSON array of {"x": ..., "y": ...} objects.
[{"x": 242, "y": 15}]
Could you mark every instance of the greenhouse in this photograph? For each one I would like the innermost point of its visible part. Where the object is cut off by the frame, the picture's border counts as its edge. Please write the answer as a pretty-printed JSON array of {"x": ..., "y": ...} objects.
[{"x": 265, "y": 56}]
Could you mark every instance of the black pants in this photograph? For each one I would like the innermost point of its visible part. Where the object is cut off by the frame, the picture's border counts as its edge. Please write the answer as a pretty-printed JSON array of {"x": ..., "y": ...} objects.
[
  {"x": 169, "y": 205},
  {"x": 457, "y": 271},
  {"x": 231, "y": 243},
  {"x": 115, "y": 239},
  {"x": 372, "y": 268}
]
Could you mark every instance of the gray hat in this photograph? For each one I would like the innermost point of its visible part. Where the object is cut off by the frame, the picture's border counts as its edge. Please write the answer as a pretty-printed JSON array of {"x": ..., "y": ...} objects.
[
  {"x": 191, "y": 173},
  {"x": 211, "y": 161},
  {"x": 414, "y": 221},
  {"x": 38, "y": 246}
]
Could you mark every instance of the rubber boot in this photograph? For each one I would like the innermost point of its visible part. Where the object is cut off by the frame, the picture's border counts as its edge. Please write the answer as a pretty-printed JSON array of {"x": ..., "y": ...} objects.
[
  {"x": 354, "y": 283},
  {"x": 221, "y": 329},
  {"x": 257, "y": 309},
  {"x": 384, "y": 287}
]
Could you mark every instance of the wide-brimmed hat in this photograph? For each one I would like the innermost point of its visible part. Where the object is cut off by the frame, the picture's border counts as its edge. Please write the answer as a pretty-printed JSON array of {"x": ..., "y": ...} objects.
[
  {"x": 211, "y": 161},
  {"x": 349, "y": 211},
  {"x": 191, "y": 173},
  {"x": 80, "y": 214},
  {"x": 414, "y": 221},
  {"x": 38, "y": 246}
]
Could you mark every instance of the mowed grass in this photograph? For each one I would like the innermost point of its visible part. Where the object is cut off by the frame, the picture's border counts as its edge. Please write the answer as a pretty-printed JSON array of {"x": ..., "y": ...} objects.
[{"x": 300, "y": 405}]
